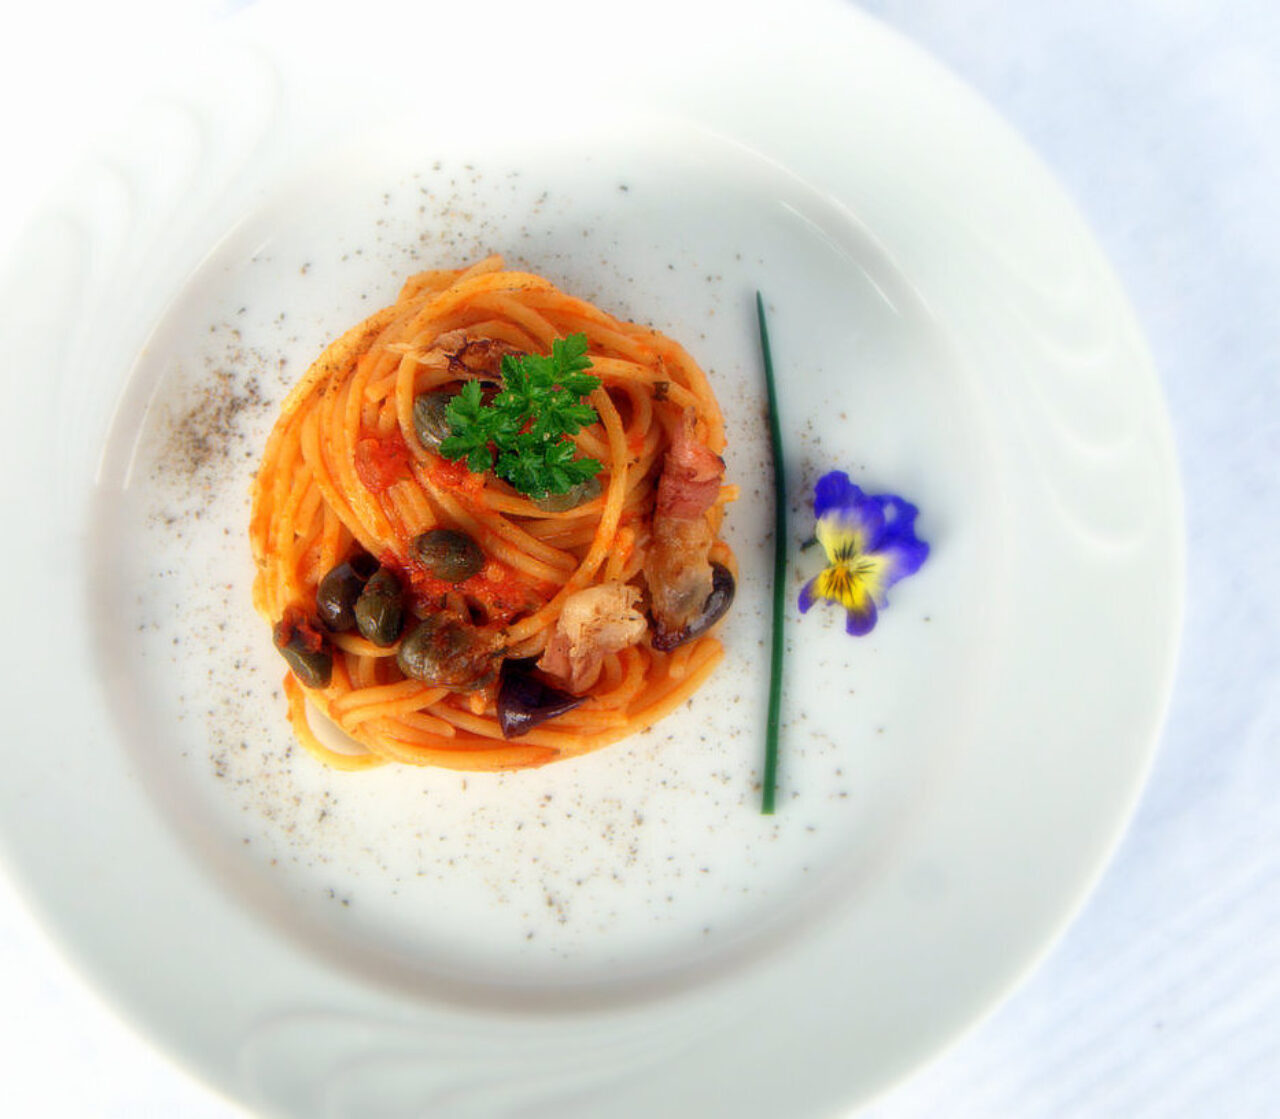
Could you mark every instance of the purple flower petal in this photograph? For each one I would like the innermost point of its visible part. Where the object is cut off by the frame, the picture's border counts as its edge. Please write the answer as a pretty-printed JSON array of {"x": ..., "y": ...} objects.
[
  {"x": 899, "y": 548},
  {"x": 861, "y": 620},
  {"x": 901, "y": 558},
  {"x": 852, "y": 529},
  {"x": 870, "y": 543},
  {"x": 835, "y": 491},
  {"x": 865, "y": 517},
  {"x": 899, "y": 517}
]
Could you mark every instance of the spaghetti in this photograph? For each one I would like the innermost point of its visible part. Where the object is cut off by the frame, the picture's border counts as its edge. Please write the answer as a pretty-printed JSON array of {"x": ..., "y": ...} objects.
[{"x": 493, "y": 630}]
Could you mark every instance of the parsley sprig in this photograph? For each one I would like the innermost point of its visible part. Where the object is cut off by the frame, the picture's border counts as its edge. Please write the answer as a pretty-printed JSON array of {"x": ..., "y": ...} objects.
[{"x": 526, "y": 427}]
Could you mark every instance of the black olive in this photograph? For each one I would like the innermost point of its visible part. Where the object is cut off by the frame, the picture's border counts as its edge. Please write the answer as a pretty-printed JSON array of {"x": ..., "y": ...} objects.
[
  {"x": 578, "y": 494},
  {"x": 312, "y": 667},
  {"x": 718, "y": 601},
  {"x": 447, "y": 653},
  {"x": 336, "y": 596},
  {"x": 524, "y": 701},
  {"x": 449, "y": 554},
  {"x": 379, "y": 610},
  {"x": 429, "y": 420}
]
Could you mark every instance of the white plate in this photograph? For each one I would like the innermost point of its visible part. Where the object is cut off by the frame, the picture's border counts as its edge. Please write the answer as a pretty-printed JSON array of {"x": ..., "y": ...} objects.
[{"x": 625, "y": 932}]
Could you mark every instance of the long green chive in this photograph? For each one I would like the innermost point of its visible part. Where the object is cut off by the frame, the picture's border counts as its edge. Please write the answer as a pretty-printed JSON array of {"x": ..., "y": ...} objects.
[{"x": 779, "y": 573}]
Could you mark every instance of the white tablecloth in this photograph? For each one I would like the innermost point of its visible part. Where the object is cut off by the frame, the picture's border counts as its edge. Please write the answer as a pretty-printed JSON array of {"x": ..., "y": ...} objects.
[{"x": 1161, "y": 118}]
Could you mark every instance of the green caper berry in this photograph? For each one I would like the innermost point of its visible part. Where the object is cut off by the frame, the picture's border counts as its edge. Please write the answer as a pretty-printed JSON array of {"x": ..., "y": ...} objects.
[
  {"x": 577, "y": 494},
  {"x": 379, "y": 610},
  {"x": 445, "y": 653},
  {"x": 312, "y": 667},
  {"x": 340, "y": 588},
  {"x": 429, "y": 420},
  {"x": 449, "y": 554}
]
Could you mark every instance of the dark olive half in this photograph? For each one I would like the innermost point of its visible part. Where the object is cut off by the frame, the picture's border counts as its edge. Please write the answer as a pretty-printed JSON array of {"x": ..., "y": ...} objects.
[
  {"x": 336, "y": 596},
  {"x": 429, "y": 420},
  {"x": 718, "y": 602},
  {"x": 449, "y": 554},
  {"x": 524, "y": 701},
  {"x": 578, "y": 494},
  {"x": 379, "y": 610},
  {"x": 312, "y": 667}
]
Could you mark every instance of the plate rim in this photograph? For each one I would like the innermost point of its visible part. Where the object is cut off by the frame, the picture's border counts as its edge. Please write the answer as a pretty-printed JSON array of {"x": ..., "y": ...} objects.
[{"x": 860, "y": 25}]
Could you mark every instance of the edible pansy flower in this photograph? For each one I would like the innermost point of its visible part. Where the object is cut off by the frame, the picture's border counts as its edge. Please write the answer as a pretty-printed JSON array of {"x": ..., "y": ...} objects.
[{"x": 870, "y": 543}]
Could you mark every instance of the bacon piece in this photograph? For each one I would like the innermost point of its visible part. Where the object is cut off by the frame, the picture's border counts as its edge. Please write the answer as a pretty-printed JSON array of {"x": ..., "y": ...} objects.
[
  {"x": 468, "y": 357},
  {"x": 677, "y": 570},
  {"x": 593, "y": 623},
  {"x": 691, "y": 474}
]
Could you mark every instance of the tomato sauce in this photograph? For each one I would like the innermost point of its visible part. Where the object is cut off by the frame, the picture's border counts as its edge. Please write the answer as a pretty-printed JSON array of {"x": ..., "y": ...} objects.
[
  {"x": 381, "y": 462},
  {"x": 296, "y": 624},
  {"x": 454, "y": 476},
  {"x": 501, "y": 592}
]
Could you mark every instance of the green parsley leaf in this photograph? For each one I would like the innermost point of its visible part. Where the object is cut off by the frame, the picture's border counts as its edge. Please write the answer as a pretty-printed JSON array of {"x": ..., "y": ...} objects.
[{"x": 523, "y": 433}]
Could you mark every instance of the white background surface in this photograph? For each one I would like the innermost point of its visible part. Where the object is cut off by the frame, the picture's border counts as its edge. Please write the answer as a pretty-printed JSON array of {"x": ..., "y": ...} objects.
[{"x": 1161, "y": 120}]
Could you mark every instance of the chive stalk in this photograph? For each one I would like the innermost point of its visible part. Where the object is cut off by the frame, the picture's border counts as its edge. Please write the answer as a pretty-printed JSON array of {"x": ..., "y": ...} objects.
[{"x": 770, "y": 781}]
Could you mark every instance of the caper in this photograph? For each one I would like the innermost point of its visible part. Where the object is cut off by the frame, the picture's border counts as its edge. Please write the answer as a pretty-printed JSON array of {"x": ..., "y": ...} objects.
[
  {"x": 306, "y": 655},
  {"x": 336, "y": 596},
  {"x": 577, "y": 494},
  {"x": 379, "y": 610},
  {"x": 446, "y": 653},
  {"x": 429, "y": 420},
  {"x": 449, "y": 554}
]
